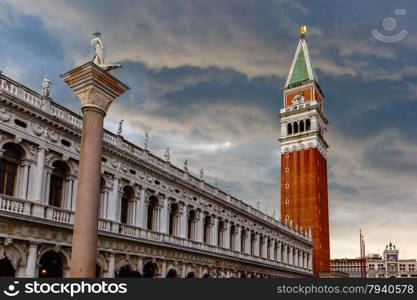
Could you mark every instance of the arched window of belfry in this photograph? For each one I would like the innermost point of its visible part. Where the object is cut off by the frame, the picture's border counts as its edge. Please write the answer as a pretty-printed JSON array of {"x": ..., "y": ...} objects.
[
  {"x": 9, "y": 167},
  {"x": 295, "y": 127},
  {"x": 301, "y": 126},
  {"x": 289, "y": 128},
  {"x": 308, "y": 125},
  {"x": 58, "y": 184}
]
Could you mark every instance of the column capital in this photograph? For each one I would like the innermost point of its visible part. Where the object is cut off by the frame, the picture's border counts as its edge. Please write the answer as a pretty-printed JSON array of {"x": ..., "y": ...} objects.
[{"x": 93, "y": 86}]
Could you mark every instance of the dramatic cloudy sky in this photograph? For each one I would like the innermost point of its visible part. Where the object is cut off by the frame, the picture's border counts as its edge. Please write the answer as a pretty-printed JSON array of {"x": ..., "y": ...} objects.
[{"x": 206, "y": 79}]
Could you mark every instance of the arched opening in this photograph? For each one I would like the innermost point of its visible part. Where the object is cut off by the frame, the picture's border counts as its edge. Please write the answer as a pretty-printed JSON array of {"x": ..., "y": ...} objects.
[
  {"x": 191, "y": 274},
  {"x": 50, "y": 265},
  {"x": 295, "y": 127},
  {"x": 192, "y": 218},
  {"x": 173, "y": 219},
  {"x": 60, "y": 172},
  {"x": 9, "y": 165},
  {"x": 152, "y": 213},
  {"x": 261, "y": 245},
  {"x": 233, "y": 237},
  {"x": 301, "y": 126},
  {"x": 124, "y": 272},
  {"x": 124, "y": 210},
  {"x": 6, "y": 268},
  {"x": 149, "y": 270},
  {"x": 207, "y": 228},
  {"x": 252, "y": 243},
  {"x": 308, "y": 124},
  {"x": 243, "y": 237},
  {"x": 220, "y": 234},
  {"x": 289, "y": 128},
  {"x": 172, "y": 273}
]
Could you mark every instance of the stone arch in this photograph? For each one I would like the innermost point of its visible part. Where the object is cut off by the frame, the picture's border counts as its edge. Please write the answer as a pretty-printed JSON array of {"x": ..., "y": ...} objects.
[
  {"x": 53, "y": 263},
  {"x": 151, "y": 269},
  {"x": 172, "y": 272},
  {"x": 190, "y": 273},
  {"x": 101, "y": 263},
  {"x": 295, "y": 127},
  {"x": 173, "y": 218},
  {"x": 205, "y": 273},
  {"x": 14, "y": 253}
]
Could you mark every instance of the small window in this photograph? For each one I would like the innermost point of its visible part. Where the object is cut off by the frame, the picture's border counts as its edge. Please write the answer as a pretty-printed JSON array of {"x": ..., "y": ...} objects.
[
  {"x": 157, "y": 182},
  {"x": 287, "y": 201},
  {"x": 177, "y": 191},
  {"x": 308, "y": 125},
  {"x": 194, "y": 198},
  {"x": 103, "y": 159},
  {"x": 132, "y": 172},
  {"x": 66, "y": 143},
  {"x": 287, "y": 217},
  {"x": 287, "y": 170},
  {"x": 287, "y": 155},
  {"x": 20, "y": 123},
  {"x": 287, "y": 186}
]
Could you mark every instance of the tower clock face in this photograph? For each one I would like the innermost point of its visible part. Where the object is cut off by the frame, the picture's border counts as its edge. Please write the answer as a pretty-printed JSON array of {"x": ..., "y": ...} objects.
[{"x": 392, "y": 257}]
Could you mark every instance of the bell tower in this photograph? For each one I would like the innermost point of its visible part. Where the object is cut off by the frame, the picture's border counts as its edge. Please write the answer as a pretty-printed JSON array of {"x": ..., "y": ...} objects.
[{"x": 304, "y": 203}]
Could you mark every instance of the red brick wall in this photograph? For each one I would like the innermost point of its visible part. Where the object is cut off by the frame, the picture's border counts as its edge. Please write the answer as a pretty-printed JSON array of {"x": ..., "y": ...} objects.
[{"x": 308, "y": 200}]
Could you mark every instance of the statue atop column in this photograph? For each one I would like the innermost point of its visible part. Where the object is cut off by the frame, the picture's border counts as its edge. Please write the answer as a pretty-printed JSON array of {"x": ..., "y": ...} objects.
[{"x": 98, "y": 59}]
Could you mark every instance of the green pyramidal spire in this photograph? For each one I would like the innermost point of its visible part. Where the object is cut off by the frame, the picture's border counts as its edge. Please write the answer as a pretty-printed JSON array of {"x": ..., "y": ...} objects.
[{"x": 302, "y": 68}]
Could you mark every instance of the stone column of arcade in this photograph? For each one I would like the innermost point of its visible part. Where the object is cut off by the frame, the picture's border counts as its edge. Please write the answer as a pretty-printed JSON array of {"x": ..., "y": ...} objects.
[{"x": 95, "y": 88}]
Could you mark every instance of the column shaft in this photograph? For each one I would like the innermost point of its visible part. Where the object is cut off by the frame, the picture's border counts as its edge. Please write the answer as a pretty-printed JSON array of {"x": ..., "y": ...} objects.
[{"x": 84, "y": 244}]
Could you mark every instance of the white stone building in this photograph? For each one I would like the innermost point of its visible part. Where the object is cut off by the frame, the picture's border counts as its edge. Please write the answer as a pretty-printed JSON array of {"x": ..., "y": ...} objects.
[
  {"x": 156, "y": 220},
  {"x": 387, "y": 266}
]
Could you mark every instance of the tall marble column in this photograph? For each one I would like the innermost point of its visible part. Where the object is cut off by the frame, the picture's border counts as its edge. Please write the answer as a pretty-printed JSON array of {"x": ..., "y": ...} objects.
[{"x": 96, "y": 89}]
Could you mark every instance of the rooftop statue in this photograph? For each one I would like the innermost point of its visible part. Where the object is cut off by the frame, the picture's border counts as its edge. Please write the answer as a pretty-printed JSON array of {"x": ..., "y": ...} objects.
[{"x": 98, "y": 59}]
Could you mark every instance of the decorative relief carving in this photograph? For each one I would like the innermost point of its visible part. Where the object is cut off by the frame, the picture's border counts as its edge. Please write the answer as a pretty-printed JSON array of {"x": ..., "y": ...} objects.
[{"x": 5, "y": 115}]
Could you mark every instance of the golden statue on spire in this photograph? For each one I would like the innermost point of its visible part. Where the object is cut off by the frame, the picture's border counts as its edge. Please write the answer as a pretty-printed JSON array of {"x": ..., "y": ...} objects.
[{"x": 303, "y": 30}]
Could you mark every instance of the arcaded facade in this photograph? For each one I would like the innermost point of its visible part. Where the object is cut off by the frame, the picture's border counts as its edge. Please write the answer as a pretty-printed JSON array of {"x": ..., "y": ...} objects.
[{"x": 156, "y": 220}]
